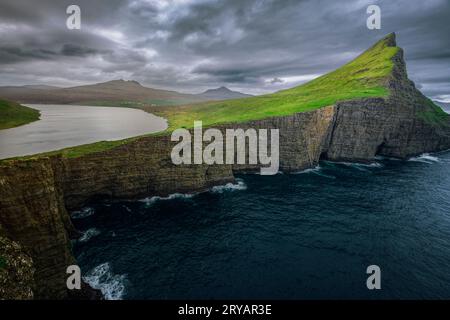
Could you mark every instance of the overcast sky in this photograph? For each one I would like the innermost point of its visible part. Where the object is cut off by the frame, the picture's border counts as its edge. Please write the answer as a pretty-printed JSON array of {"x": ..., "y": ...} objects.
[{"x": 254, "y": 46}]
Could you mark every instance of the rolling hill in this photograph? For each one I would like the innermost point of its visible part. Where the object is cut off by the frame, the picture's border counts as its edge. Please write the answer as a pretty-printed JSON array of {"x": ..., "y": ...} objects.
[{"x": 118, "y": 93}]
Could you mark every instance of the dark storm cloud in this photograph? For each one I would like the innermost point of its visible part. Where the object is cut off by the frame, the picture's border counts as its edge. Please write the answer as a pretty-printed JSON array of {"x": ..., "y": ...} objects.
[
  {"x": 189, "y": 45},
  {"x": 79, "y": 51}
]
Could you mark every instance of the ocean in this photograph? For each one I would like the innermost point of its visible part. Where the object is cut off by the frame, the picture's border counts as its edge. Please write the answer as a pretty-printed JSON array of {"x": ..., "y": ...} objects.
[{"x": 308, "y": 235}]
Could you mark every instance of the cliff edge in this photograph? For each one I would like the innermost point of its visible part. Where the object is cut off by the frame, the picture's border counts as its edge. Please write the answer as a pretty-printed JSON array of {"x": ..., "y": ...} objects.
[{"x": 386, "y": 115}]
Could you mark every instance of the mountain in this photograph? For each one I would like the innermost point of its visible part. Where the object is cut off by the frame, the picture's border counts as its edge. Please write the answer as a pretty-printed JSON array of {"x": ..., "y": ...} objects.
[
  {"x": 115, "y": 93},
  {"x": 222, "y": 93},
  {"x": 370, "y": 75},
  {"x": 40, "y": 87},
  {"x": 112, "y": 93}
]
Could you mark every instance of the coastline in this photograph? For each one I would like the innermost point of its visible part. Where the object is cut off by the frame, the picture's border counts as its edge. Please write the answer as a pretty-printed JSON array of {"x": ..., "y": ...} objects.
[{"x": 38, "y": 191}]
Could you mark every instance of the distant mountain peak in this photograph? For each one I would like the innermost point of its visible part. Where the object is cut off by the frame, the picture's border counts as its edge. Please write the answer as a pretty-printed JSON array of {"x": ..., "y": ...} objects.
[
  {"x": 222, "y": 93},
  {"x": 122, "y": 82}
]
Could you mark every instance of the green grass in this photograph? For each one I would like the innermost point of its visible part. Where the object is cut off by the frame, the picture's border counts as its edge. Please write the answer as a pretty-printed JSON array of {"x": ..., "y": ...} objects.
[
  {"x": 13, "y": 114},
  {"x": 363, "y": 77},
  {"x": 434, "y": 115}
]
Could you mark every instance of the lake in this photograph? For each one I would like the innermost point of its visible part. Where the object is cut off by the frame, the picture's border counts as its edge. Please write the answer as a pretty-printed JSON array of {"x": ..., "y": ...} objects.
[{"x": 63, "y": 126}]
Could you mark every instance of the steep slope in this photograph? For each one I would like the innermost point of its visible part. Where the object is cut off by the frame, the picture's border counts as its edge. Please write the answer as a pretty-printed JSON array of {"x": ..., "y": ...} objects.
[
  {"x": 366, "y": 76},
  {"x": 13, "y": 114},
  {"x": 402, "y": 124},
  {"x": 444, "y": 105},
  {"x": 222, "y": 93},
  {"x": 374, "y": 111}
]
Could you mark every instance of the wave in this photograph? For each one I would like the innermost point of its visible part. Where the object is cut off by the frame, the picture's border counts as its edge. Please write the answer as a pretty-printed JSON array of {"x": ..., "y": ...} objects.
[
  {"x": 383, "y": 158},
  {"x": 362, "y": 166},
  {"x": 240, "y": 185},
  {"x": 309, "y": 170},
  {"x": 152, "y": 200},
  {"x": 317, "y": 170},
  {"x": 425, "y": 158},
  {"x": 83, "y": 213},
  {"x": 320, "y": 173},
  {"x": 88, "y": 234},
  {"x": 102, "y": 278}
]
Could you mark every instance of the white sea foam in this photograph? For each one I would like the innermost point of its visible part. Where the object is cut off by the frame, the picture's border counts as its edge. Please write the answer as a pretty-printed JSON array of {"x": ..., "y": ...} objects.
[
  {"x": 317, "y": 170},
  {"x": 425, "y": 158},
  {"x": 152, "y": 200},
  {"x": 362, "y": 166},
  {"x": 88, "y": 234},
  {"x": 381, "y": 158},
  {"x": 83, "y": 213},
  {"x": 102, "y": 278},
  {"x": 240, "y": 185},
  {"x": 320, "y": 173},
  {"x": 309, "y": 170}
]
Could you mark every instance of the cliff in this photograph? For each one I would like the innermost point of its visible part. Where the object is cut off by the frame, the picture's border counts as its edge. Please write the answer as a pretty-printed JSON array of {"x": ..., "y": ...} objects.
[{"x": 36, "y": 193}]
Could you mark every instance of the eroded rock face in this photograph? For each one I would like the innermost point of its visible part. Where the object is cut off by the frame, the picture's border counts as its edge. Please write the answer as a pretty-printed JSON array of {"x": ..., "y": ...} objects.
[
  {"x": 32, "y": 213},
  {"x": 393, "y": 127},
  {"x": 35, "y": 194},
  {"x": 16, "y": 272}
]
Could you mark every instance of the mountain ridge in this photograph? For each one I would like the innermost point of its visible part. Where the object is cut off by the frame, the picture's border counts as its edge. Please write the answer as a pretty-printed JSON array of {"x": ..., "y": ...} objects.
[
  {"x": 223, "y": 93},
  {"x": 117, "y": 92},
  {"x": 114, "y": 93}
]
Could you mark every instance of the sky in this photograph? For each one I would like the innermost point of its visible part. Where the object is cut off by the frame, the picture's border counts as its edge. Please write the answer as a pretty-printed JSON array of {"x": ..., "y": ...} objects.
[{"x": 253, "y": 46}]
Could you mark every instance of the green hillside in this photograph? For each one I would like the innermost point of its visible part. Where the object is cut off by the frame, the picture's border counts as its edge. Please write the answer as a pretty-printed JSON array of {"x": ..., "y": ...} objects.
[
  {"x": 362, "y": 77},
  {"x": 13, "y": 114}
]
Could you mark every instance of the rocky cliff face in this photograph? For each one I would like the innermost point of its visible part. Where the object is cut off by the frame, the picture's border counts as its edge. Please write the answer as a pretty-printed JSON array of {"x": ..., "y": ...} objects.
[
  {"x": 396, "y": 126},
  {"x": 36, "y": 194},
  {"x": 33, "y": 214},
  {"x": 16, "y": 272}
]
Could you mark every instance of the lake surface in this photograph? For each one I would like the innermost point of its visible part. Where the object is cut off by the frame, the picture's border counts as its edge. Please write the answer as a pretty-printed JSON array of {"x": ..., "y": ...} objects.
[
  {"x": 64, "y": 126},
  {"x": 293, "y": 236}
]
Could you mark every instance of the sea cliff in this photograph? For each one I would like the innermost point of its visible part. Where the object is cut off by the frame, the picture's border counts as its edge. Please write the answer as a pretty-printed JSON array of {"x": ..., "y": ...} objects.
[{"x": 37, "y": 193}]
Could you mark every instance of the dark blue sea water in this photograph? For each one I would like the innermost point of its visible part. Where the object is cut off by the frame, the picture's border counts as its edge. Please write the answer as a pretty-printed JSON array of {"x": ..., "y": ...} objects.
[{"x": 291, "y": 236}]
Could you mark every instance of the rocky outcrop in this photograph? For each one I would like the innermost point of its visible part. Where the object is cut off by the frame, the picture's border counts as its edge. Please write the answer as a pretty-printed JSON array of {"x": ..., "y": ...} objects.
[
  {"x": 35, "y": 194},
  {"x": 16, "y": 272},
  {"x": 396, "y": 126}
]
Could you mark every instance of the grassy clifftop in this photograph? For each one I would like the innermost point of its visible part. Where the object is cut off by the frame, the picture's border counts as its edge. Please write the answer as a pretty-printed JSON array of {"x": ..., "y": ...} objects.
[
  {"x": 363, "y": 77},
  {"x": 13, "y": 114},
  {"x": 366, "y": 76}
]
